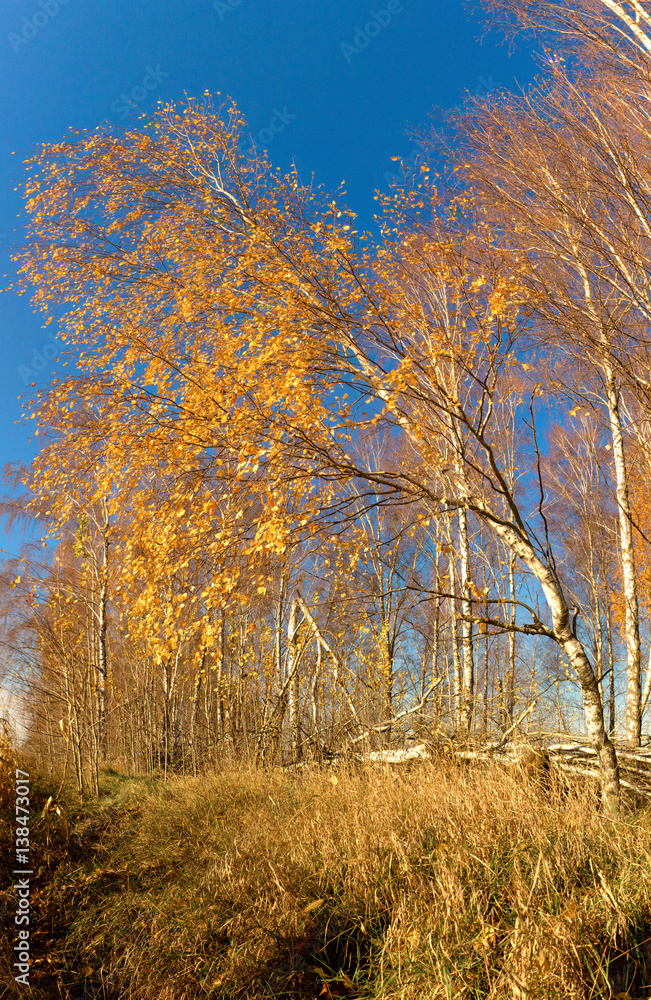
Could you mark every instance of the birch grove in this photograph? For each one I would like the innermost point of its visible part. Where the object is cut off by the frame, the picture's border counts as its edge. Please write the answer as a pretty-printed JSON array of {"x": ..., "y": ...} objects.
[{"x": 313, "y": 489}]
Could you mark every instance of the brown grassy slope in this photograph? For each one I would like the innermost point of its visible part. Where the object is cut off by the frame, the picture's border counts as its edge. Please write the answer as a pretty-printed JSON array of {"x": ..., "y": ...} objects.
[{"x": 443, "y": 883}]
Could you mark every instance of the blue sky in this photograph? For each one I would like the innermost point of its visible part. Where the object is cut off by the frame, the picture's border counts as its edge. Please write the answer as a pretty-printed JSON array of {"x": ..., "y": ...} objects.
[{"x": 334, "y": 86}]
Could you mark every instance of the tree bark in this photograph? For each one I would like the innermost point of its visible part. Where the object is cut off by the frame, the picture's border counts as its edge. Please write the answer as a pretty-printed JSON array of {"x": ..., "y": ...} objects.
[
  {"x": 102, "y": 664},
  {"x": 195, "y": 706},
  {"x": 313, "y": 693},
  {"x": 510, "y": 678},
  {"x": 457, "y": 686},
  {"x": 468, "y": 663},
  {"x": 627, "y": 555},
  {"x": 292, "y": 674},
  {"x": 572, "y": 647}
]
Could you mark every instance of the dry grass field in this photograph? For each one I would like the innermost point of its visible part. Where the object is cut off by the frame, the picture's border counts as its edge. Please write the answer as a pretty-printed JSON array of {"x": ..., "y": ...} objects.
[{"x": 437, "y": 882}]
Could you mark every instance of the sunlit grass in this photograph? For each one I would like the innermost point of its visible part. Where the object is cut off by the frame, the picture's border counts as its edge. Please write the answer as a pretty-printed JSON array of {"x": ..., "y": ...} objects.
[{"x": 441, "y": 882}]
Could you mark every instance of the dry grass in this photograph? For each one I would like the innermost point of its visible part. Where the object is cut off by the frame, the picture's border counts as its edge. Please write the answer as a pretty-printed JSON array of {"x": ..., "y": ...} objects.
[{"x": 440, "y": 883}]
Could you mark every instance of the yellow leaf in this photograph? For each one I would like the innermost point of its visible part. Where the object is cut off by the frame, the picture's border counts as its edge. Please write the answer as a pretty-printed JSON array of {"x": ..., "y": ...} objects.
[{"x": 312, "y": 906}]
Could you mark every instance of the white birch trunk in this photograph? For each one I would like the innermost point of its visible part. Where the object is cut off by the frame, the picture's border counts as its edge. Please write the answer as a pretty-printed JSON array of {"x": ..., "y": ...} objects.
[
  {"x": 510, "y": 680},
  {"x": 454, "y": 632},
  {"x": 468, "y": 663},
  {"x": 336, "y": 665},
  {"x": 314, "y": 689},
  {"x": 102, "y": 657},
  {"x": 292, "y": 674},
  {"x": 611, "y": 668},
  {"x": 573, "y": 649},
  {"x": 647, "y": 684},
  {"x": 627, "y": 555}
]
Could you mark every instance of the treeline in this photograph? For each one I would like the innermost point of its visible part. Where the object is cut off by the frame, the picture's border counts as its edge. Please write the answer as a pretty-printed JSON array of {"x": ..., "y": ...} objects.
[
  {"x": 309, "y": 486},
  {"x": 352, "y": 641}
]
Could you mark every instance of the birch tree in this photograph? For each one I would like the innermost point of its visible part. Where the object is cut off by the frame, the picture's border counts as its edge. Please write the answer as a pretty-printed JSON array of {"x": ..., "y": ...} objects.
[
  {"x": 262, "y": 327},
  {"x": 618, "y": 31},
  {"x": 563, "y": 171}
]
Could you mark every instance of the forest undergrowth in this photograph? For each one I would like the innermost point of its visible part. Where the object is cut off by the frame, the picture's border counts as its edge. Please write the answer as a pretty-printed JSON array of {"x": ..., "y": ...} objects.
[{"x": 441, "y": 881}]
